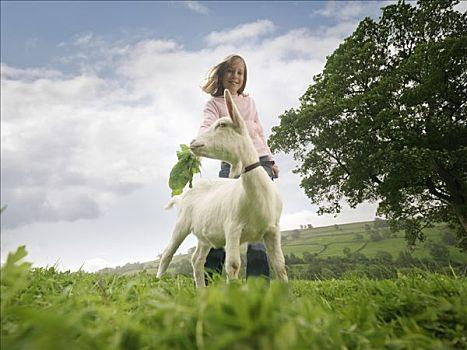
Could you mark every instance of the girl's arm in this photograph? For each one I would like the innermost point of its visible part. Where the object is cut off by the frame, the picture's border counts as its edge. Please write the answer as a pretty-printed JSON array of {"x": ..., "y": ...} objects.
[
  {"x": 210, "y": 115},
  {"x": 275, "y": 168},
  {"x": 260, "y": 129}
]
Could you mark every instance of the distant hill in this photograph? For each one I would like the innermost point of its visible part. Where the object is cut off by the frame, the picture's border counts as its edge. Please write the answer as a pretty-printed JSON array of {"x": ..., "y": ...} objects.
[{"x": 366, "y": 238}]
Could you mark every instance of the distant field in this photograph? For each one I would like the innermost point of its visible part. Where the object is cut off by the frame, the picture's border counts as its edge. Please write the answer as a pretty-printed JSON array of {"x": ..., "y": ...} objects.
[{"x": 329, "y": 241}]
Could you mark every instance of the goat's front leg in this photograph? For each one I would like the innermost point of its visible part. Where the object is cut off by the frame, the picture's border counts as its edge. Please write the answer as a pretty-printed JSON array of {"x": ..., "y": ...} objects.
[
  {"x": 197, "y": 261},
  {"x": 232, "y": 254},
  {"x": 272, "y": 240}
]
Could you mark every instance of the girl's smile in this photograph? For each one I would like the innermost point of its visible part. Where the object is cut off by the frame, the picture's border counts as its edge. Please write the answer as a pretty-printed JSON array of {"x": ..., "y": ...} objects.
[{"x": 232, "y": 79}]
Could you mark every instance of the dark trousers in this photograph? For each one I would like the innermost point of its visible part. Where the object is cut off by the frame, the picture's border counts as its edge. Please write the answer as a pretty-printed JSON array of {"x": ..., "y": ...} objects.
[{"x": 257, "y": 264}]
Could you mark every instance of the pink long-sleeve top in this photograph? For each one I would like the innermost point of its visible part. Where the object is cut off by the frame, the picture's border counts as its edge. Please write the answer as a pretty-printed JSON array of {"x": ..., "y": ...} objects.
[{"x": 215, "y": 108}]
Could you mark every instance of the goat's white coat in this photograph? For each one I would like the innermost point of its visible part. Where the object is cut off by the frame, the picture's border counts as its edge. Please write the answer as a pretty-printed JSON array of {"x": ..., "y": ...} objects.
[{"x": 228, "y": 212}]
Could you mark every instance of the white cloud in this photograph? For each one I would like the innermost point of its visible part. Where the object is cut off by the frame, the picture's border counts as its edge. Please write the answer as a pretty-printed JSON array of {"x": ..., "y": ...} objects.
[
  {"x": 294, "y": 220},
  {"x": 152, "y": 46},
  {"x": 461, "y": 7},
  {"x": 84, "y": 39},
  {"x": 28, "y": 74},
  {"x": 71, "y": 146},
  {"x": 364, "y": 212},
  {"x": 240, "y": 33},
  {"x": 92, "y": 54},
  {"x": 95, "y": 264},
  {"x": 350, "y": 10},
  {"x": 196, "y": 6}
]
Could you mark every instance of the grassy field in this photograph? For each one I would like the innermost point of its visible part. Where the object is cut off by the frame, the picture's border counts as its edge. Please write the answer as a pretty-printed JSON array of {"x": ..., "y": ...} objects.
[
  {"x": 46, "y": 309},
  {"x": 330, "y": 241}
]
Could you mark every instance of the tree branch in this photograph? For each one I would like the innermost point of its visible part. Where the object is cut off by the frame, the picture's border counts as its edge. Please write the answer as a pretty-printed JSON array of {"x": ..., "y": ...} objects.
[
  {"x": 375, "y": 179},
  {"x": 434, "y": 191},
  {"x": 337, "y": 160}
]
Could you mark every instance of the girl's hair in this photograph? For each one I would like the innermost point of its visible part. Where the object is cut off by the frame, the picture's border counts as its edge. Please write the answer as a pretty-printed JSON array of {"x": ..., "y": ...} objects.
[{"x": 213, "y": 81}]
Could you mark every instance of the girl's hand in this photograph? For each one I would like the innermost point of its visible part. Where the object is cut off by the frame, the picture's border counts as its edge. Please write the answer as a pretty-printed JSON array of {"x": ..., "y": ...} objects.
[{"x": 275, "y": 171}]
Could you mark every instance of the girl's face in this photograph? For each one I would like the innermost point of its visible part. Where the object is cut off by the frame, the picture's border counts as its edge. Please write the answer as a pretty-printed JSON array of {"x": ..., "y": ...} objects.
[{"x": 233, "y": 76}]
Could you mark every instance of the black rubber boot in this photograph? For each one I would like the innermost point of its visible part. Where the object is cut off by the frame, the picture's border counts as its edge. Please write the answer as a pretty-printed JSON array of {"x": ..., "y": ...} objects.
[
  {"x": 214, "y": 263},
  {"x": 257, "y": 263}
]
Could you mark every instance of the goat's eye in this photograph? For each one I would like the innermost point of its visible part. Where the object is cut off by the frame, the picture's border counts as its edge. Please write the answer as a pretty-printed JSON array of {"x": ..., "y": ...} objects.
[{"x": 220, "y": 125}]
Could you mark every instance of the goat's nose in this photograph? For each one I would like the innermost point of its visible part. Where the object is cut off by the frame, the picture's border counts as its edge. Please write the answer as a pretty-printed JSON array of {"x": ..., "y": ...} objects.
[{"x": 195, "y": 144}]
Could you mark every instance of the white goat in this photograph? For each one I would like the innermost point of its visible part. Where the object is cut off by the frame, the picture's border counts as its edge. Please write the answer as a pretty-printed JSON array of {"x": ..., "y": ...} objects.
[{"x": 228, "y": 212}]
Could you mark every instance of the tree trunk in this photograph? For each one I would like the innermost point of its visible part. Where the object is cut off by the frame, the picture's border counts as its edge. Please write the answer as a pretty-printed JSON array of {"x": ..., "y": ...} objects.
[
  {"x": 457, "y": 189},
  {"x": 461, "y": 213}
]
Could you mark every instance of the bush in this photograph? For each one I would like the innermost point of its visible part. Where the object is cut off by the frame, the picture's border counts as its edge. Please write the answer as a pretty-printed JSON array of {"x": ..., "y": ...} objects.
[
  {"x": 383, "y": 257},
  {"x": 375, "y": 236},
  {"x": 438, "y": 251},
  {"x": 449, "y": 238}
]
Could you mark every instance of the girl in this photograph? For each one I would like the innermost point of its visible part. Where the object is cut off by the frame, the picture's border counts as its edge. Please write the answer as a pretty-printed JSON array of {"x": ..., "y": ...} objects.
[{"x": 231, "y": 74}]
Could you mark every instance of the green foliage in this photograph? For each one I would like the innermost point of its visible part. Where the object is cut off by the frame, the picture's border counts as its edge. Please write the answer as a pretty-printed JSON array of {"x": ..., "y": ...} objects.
[
  {"x": 292, "y": 259},
  {"x": 16, "y": 279},
  {"x": 386, "y": 120},
  {"x": 346, "y": 251},
  {"x": 375, "y": 236},
  {"x": 381, "y": 266},
  {"x": 46, "y": 309},
  {"x": 449, "y": 238},
  {"x": 438, "y": 251},
  {"x": 182, "y": 172},
  {"x": 380, "y": 223},
  {"x": 383, "y": 257}
]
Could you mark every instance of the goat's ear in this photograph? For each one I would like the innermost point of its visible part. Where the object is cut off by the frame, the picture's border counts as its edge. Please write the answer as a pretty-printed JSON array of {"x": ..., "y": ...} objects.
[{"x": 231, "y": 108}]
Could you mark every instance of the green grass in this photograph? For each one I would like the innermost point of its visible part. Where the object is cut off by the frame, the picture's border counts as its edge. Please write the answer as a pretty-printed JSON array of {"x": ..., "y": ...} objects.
[
  {"x": 393, "y": 246},
  {"x": 299, "y": 250},
  {"x": 45, "y": 309}
]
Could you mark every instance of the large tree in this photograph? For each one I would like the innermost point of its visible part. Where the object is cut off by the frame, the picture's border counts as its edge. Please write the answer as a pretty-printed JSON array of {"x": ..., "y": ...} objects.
[{"x": 386, "y": 120}]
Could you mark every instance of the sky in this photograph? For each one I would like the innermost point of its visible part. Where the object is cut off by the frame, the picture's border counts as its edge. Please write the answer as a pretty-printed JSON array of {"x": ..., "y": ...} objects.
[{"x": 96, "y": 98}]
